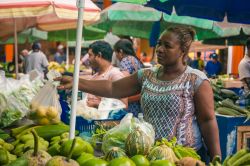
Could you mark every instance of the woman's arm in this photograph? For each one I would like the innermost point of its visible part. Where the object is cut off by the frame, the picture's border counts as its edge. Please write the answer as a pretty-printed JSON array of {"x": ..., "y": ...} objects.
[
  {"x": 204, "y": 105},
  {"x": 122, "y": 88}
]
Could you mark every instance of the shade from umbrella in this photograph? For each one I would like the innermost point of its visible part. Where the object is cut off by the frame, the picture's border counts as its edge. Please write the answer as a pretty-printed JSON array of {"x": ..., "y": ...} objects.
[
  {"x": 236, "y": 11},
  {"x": 89, "y": 33},
  {"x": 136, "y": 20}
]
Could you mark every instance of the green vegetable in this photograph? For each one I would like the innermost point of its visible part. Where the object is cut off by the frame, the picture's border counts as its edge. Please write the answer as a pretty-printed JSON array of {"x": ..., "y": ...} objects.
[
  {"x": 8, "y": 117},
  {"x": 245, "y": 158},
  {"x": 18, "y": 130},
  {"x": 227, "y": 111},
  {"x": 78, "y": 148},
  {"x": 235, "y": 157},
  {"x": 22, "y": 161},
  {"x": 4, "y": 158}
]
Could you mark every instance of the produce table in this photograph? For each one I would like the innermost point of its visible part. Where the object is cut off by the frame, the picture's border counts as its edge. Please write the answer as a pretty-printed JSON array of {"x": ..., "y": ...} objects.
[{"x": 228, "y": 133}]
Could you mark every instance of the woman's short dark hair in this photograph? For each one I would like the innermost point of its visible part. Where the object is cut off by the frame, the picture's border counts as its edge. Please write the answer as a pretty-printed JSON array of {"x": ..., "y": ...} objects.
[
  {"x": 185, "y": 36},
  {"x": 125, "y": 46},
  {"x": 102, "y": 48}
]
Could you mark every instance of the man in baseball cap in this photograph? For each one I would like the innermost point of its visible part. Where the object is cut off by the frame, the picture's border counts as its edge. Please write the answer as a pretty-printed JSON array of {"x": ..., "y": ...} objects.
[{"x": 213, "y": 66}]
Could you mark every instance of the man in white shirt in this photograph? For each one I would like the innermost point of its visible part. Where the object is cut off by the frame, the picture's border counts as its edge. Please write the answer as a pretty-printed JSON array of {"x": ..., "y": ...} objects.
[{"x": 36, "y": 60}]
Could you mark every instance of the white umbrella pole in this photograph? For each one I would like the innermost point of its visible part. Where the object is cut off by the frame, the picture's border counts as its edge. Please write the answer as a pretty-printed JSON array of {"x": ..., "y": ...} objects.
[
  {"x": 16, "y": 50},
  {"x": 80, "y": 6},
  {"x": 67, "y": 49}
]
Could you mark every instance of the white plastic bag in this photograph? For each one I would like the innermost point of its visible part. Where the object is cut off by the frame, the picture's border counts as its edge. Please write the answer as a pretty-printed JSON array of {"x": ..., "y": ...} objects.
[
  {"x": 45, "y": 106},
  {"x": 106, "y": 105}
]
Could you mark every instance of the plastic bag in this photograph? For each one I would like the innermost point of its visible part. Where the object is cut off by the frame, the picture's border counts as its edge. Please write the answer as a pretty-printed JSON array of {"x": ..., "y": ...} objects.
[
  {"x": 105, "y": 107},
  {"x": 45, "y": 106},
  {"x": 117, "y": 136}
]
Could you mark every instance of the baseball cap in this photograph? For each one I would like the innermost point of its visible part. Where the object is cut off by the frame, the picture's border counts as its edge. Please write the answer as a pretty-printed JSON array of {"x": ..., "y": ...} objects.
[{"x": 214, "y": 56}]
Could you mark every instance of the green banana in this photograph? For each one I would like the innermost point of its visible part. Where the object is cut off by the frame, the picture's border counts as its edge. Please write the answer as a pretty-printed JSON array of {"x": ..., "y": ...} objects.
[
  {"x": 54, "y": 149},
  {"x": 26, "y": 137},
  {"x": 238, "y": 155},
  {"x": 19, "y": 150},
  {"x": 8, "y": 146},
  {"x": 243, "y": 159}
]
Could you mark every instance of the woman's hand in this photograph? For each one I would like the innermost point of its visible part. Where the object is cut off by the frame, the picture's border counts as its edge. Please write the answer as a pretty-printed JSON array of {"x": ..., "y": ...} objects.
[{"x": 66, "y": 82}]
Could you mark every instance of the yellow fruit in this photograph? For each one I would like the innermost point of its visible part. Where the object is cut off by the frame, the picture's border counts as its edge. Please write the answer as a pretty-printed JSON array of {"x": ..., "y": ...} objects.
[
  {"x": 52, "y": 112},
  {"x": 41, "y": 111},
  {"x": 43, "y": 121},
  {"x": 55, "y": 121}
]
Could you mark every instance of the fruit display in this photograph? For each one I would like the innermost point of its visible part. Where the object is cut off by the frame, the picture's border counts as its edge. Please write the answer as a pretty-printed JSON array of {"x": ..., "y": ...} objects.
[
  {"x": 44, "y": 115},
  {"x": 64, "y": 161},
  {"x": 56, "y": 66},
  {"x": 36, "y": 156}
]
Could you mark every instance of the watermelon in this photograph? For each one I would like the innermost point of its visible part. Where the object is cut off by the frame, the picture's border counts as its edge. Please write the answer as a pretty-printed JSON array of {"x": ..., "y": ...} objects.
[
  {"x": 137, "y": 143},
  {"x": 115, "y": 152}
]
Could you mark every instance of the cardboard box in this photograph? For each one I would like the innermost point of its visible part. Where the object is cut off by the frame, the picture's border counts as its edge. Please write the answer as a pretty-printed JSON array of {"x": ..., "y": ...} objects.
[{"x": 232, "y": 83}]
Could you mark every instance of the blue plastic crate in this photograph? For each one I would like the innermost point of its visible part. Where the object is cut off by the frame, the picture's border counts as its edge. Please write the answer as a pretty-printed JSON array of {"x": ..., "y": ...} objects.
[{"x": 83, "y": 125}]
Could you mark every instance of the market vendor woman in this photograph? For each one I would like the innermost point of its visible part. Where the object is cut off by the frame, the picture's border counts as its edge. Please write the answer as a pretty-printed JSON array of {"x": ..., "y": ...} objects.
[{"x": 176, "y": 99}]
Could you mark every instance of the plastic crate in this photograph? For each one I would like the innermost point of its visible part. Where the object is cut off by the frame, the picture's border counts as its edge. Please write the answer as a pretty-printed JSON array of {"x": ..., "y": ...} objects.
[{"x": 83, "y": 125}]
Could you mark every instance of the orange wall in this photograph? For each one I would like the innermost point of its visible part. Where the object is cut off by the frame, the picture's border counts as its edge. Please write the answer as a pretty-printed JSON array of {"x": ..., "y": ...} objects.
[
  {"x": 9, "y": 52},
  {"x": 144, "y": 47},
  {"x": 106, "y": 3},
  {"x": 238, "y": 54}
]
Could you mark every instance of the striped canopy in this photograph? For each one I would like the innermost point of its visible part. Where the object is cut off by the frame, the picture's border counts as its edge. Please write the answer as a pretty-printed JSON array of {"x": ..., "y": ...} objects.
[{"x": 46, "y": 15}]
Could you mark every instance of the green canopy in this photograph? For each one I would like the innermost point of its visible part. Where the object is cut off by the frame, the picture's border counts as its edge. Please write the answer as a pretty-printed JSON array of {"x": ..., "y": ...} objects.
[
  {"x": 232, "y": 34},
  {"x": 29, "y": 35},
  {"x": 137, "y": 21},
  {"x": 89, "y": 33},
  {"x": 128, "y": 19}
]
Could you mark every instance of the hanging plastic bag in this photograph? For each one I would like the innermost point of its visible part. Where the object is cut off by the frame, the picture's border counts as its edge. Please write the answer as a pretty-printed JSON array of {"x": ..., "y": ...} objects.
[
  {"x": 117, "y": 136},
  {"x": 45, "y": 107}
]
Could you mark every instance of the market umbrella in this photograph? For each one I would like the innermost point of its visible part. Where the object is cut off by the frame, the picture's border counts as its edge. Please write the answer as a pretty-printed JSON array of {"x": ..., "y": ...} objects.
[
  {"x": 236, "y": 11},
  {"x": 233, "y": 34},
  {"x": 138, "y": 21},
  {"x": 89, "y": 33},
  {"x": 29, "y": 35},
  {"x": 45, "y": 14}
]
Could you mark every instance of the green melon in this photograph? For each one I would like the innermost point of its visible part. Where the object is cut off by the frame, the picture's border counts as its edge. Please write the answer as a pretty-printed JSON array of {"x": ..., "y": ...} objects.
[
  {"x": 162, "y": 152},
  {"x": 122, "y": 161},
  {"x": 137, "y": 142},
  {"x": 95, "y": 162},
  {"x": 115, "y": 152},
  {"x": 140, "y": 160}
]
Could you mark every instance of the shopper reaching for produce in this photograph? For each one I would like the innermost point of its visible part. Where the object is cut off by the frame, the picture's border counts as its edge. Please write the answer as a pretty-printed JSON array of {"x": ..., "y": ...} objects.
[{"x": 176, "y": 99}]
